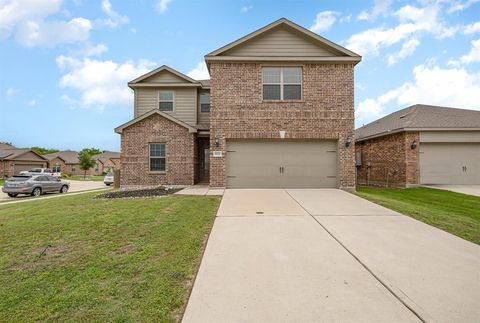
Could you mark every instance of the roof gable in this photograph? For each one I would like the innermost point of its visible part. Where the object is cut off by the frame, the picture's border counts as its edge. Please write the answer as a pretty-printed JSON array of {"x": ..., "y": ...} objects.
[
  {"x": 283, "y": 38},
  {"x": 191, "y": 129},
  {"x": 164, "y": 74}
]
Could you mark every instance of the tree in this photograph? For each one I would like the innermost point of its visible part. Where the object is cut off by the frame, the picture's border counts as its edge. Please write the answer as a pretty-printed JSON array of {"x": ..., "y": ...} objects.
[
  {"x": 92, "y": 151},
  {"x": 43, "y": 151},
  {"x": 86, "y": 161}
]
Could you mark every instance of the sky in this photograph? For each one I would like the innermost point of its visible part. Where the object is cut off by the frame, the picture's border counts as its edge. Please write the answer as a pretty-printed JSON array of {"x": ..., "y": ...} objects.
[{"x": 65, "y": 64}]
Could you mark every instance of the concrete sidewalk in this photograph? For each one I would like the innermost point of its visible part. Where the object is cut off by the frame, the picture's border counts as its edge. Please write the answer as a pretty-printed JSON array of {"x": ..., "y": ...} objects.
[
  {"x": 464, "y": 189},
  {"x": 327, "y": 255}
]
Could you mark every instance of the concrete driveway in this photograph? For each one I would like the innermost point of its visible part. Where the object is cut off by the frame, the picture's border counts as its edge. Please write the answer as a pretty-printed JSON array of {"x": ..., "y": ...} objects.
[
  {"x": 75, "y": 186},
  {"x": 464, "y": 189},
  {"x": 327, "y": 255}
]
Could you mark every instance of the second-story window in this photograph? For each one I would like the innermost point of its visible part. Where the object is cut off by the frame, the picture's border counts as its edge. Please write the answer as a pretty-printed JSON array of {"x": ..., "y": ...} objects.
[
  {"x": 165, "y": 100},
  {"x": 205, "y": 102},
  {"x": 282, "y": 83}
]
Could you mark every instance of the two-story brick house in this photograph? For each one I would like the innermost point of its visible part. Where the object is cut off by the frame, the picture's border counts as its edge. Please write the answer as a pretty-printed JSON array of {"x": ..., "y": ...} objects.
[{"x": 278, "y": 112}]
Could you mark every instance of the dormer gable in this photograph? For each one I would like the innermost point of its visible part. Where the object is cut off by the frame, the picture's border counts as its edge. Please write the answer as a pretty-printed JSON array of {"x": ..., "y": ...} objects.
[{"x": 164, "y": 76}]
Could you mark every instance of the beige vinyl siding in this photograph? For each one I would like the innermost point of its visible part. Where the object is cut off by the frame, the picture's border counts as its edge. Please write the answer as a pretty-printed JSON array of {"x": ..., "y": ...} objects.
[
  {"x": 280, "y": 42},
  {"x": 164, "y": 77},
  {"x": 450, "y": 136},
  {"x": 203, "y": 117},
  {"x": 184, "y": 103}
]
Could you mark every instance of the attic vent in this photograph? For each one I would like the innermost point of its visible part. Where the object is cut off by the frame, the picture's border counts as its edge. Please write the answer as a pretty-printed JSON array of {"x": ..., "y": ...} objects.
[{"x": 403, "y": 116}]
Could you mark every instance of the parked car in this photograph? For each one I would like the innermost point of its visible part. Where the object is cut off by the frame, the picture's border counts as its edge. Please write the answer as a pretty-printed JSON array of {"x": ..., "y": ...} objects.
[
  {"x": 34, "y": 185},
  {"x": 39, "y": 171},
  {"x": 108, "y": 179}
]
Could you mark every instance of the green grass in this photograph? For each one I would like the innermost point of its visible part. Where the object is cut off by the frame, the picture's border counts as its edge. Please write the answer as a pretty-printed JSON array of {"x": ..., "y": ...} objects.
[
  {"x": 453, "y": 212},
  {"x": 2, "y": 181},
  {"x": 96, "y": 178},
  {"x": 79, "y": 259}
]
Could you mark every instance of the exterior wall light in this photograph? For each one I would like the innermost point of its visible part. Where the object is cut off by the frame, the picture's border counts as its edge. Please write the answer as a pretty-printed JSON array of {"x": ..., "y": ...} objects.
[
  {"x": 348, "y": 142},
  {"x": 413, "y": 145},
  {"x": 217, "y": 142}
]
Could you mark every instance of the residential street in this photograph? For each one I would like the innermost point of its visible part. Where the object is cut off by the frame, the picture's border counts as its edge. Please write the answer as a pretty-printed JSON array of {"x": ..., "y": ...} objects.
[
  {"x": 75, "y": 186},
  {"x": 327, "y": 255}
]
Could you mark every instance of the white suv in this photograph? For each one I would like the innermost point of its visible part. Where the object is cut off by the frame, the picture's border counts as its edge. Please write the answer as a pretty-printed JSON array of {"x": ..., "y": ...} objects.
[{"x": 38, "y": 171}]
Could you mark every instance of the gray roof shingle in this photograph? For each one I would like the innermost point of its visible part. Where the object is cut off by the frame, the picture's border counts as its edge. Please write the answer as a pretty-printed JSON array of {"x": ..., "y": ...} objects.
[{"x": 420, "y": 116}]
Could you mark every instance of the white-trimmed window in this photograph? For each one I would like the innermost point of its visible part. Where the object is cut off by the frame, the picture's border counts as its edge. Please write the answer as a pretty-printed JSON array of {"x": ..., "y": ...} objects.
[
  {"x": 205, "y": 102},
  {"x": 158, "y": 159},
  {"x": 282, "y": 83},
  {"x": 56, "y": 168},
  {"x": 165, "y": 100}
]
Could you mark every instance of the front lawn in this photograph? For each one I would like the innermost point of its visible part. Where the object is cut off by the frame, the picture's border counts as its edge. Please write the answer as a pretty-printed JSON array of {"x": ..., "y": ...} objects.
[
  {"x": 2, "y": 181},
  {"x": 453, "y": 212},
  {"x": 122, "y": 260},
  {"x": 95, "y": 178}
]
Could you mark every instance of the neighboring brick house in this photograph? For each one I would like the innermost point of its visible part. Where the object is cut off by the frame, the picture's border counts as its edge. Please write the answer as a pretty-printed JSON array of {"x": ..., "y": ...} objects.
[
  {"x": 14, "y": 160},
  {"x": 421, "y": 144},
  {"x": 67, "y": 162},
  {"x": 278, "y": 112},
  {"x": 107, "y": 161}
]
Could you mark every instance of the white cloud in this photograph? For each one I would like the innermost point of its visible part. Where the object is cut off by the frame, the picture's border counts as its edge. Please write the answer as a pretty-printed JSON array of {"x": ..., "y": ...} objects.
[
  {"x": 95, "y": 50},
  {"x": 114, "y": 18},
  {"x": 323, "y": 21},
  {"x": 407, "y": 49},
  {"x": 100, "y": 83},
  {"x": 11, "y": 92},
  {"x": 454, "y": 87},
  {"x": 379, "y": 7},
  {"x": 200, "y": 72},
  {"x": 472, "y": 28},
  {"x": 246, "y": 9},
  {"x": 459, "y": 5},
  {"x": 32, "y": 103},
  {"x": 413, "y": 22},
  {"x": 162, "y": 5},
  {"x": 27, "y": 21},
  {"x": 32, "y": 33},
  {"x": 472, "y": 56}
]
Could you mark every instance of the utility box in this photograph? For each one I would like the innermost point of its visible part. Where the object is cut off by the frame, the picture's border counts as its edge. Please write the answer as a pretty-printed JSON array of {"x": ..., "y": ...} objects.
[
  {"x": 116, "y": 178},
  {"x": 358, "y": 159}
]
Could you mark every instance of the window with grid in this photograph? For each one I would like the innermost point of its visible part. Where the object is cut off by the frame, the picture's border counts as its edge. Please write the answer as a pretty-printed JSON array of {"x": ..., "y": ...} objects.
[
  {"x": 157, "y": 158},
  {"x": 205, "y": 102},
  {"x": 165, "y": 100},
  {"x": 282, "y": 83},
  {"x": 56, "y": 168}
]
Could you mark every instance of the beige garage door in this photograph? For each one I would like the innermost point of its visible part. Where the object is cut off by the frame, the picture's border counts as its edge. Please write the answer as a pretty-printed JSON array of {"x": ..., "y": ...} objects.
[
  {"x": 450, "y": 163},
  {"x": 281, "y": 164},
  {"x": 17, "y": 168}
]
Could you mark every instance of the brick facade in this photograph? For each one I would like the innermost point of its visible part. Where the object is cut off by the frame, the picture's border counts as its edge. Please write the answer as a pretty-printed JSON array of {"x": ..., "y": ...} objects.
[
  {"x": 180, "y": 153},
  {"x": 326, "y": 111},
  {"x": 389, "y": 160}
]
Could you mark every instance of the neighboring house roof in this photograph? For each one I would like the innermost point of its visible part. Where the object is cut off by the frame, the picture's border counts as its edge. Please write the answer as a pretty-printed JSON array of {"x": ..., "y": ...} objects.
[
  {"x": 421, "y": 117},
  {"x": 339, "y": 53},
  {"x": 106, "y": 155},
  {"x": 181, "y": 80},
  {"x": 68, "y": 156},
  {"x": 6, "y": 146},
  {"x": 17, "y": 153},
  {"x": 191, "y": 129}
]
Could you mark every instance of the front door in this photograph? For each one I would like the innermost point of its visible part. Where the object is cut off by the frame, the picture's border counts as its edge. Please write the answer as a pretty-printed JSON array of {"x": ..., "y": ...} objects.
[{"x": 204, "y": 160}]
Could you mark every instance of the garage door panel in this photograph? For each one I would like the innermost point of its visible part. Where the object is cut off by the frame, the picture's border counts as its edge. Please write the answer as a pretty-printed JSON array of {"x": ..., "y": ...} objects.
[
  {"x": 17, "y": 168},
  {"x": 450, "y": 163},
  {"x": 281, "y": 164}
]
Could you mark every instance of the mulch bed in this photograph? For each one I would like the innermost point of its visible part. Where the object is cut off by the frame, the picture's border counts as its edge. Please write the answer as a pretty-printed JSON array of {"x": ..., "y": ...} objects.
[{"x": 146, "y": 192}]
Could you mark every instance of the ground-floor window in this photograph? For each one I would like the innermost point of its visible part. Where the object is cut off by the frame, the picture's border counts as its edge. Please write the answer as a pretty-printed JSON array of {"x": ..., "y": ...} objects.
[
  {"x": 56, "y": 168},
  {"x": 157, "y": 157}
]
